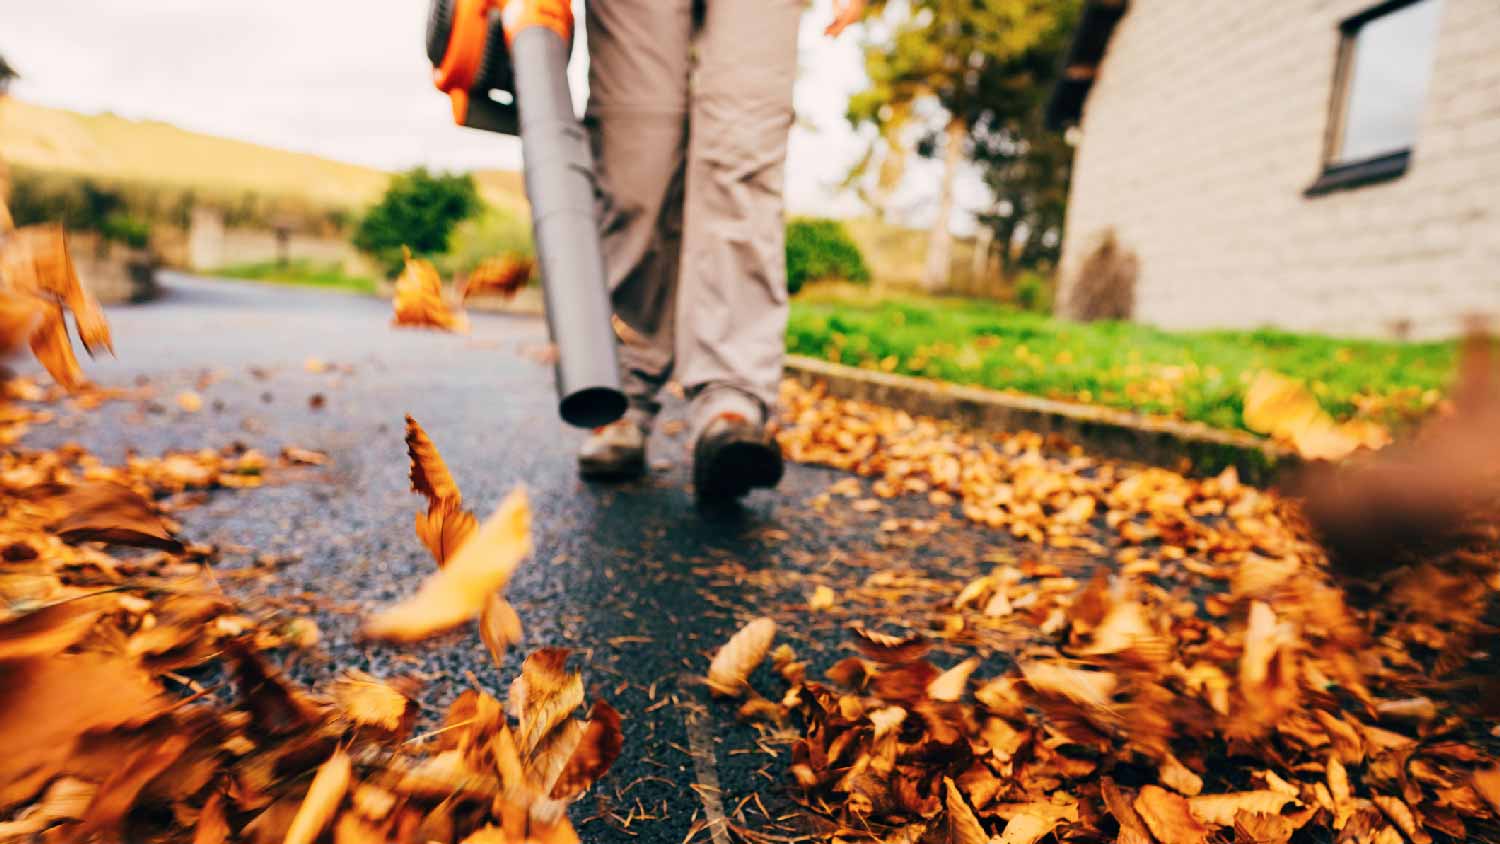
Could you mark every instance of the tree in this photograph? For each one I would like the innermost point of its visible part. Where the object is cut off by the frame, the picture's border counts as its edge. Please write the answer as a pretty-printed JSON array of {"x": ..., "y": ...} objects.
[
  {"x": 947, "y": 51},
  {"x": 7, "y": 74},
  {"x": 419, "y": 211}
]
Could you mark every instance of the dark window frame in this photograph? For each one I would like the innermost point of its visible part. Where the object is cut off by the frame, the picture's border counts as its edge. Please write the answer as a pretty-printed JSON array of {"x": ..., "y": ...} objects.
[{"x": 1341, "y": 175}]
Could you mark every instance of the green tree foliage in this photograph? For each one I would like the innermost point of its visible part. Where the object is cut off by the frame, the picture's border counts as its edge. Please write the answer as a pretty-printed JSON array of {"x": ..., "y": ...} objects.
[
  {"x": 986, "y": 65},
  {"x": 80, "y": 205},
  {"x": 820, "y": 249},
  {"x": 419, "y": 210}
]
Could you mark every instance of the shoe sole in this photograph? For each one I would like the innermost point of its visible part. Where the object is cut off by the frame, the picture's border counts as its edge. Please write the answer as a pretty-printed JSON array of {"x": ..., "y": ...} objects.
[{"x": 732, "y": 469}]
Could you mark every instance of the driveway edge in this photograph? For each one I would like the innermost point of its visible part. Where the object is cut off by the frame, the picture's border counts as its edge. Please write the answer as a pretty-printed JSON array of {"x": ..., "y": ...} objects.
[{"x": 1187, "y": 447}]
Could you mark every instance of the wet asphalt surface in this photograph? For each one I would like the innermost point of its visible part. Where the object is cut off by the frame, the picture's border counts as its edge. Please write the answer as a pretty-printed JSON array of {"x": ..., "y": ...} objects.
[{"x": 635, "y": 578}]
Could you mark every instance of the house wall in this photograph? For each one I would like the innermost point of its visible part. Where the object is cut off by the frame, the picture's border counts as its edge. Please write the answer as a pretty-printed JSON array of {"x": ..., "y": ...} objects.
[{"x": 1206, "y": 124}]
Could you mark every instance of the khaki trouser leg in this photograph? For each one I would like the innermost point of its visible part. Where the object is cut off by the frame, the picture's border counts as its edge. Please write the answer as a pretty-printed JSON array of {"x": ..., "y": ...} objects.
[
  {"x": 639, "y": 61},
  {"x": 732, "y": 305}
]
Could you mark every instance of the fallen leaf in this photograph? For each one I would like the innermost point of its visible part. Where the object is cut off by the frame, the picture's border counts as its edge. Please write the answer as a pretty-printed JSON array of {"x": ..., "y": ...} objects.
[
  {"x": 1221, "y": 809},
  {"x": 369, "y": 701},
  {"x": 821, "y": 599},
  {"x": 1176, "y": 776},
  {"x": 1487, "y": 782},
  {"x": 1401, "y": 816},
  {"x": 962, "y": 826},
  {"x": 118, "y": 793},
  {"x": 548, "y": 694},
  {"x": 883, "y": 647},
  {"x": 444, "y": 529},
  {"x": 458, "y": 592},
  {"x": 322, "y": 800},
  {"x": 212, "y": 827},
  {"x": 499, "y": 626},
  {"x": 730, "y": 669},
  {"x": 1088, "y": 688},
  {"x": 102, "y": 511},
  {"x": 1132, "y": 828},
  {"x": 596, "y": 751},
  {"x": 190, "y": 401},
  {"x": 949, "y": 686},
  {"x": 1169, "y": 817}
]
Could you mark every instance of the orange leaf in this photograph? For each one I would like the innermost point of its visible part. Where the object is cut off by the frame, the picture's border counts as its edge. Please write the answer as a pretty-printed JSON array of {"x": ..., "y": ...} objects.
[
  {"x": 739, "y": 656},
  {"x": 322, "y": 800},
  {"x": 418, "y": 299},
  {"x": 596, "y": 751},
  {"x": 1168, "y": 817},
  {"x": 458, "y": 591},
  {"x": 429, "y": 474},
  {"x": 499, "y": 626},
  {"x": 444, "y": 528}
]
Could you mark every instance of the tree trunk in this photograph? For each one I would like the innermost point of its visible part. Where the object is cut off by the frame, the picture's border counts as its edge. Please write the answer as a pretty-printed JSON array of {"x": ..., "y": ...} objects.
[
  {"x": 940, "y": 240},
  {"x": 979, "y": 267}
]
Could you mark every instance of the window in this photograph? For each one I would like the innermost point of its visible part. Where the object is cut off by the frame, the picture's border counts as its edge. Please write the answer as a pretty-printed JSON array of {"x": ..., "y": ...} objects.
[{"x": 1384, "y": 63}]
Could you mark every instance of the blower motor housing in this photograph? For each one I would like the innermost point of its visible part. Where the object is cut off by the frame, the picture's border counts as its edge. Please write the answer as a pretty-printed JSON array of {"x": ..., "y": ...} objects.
[{"x": 468, "y": 43}]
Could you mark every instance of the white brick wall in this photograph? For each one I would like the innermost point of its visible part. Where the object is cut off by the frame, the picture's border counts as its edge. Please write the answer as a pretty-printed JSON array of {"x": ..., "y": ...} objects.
[{"x": 1206, "y": 124}]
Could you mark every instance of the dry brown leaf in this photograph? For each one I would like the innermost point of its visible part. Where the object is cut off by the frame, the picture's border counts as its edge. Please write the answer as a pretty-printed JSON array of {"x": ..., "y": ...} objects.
[
  {"x": 458, "y": 592},
  {"x": 1221, "y": 809},
  {"x": 499, "y": 626},
  {"x": 54, "y": 349},
  {"x": 429, "y": 474},
  {"x": 369, "y": 701},
  {"x": 1251, "y": 828},
  {"x": 961, "y": 825},
  {"x": 52, "y": 629},
  {"x": 1487, "y": 782},
  {"x": 1087, "y": 688},
  {"x": 821, "y": 599},
  {"x": 1027, "y": 827},
  {"x": 102, "y": 511},
  {"x": 501, "y": 275},
  {"x": 596, "y": 751},
  {"x": 45, "y": 714},
  {"x": 1338, "y": 790},
  {"x": 544, "y": 695},
  {"x": 1176, "y": 776},
  {"x": 118, "y": 793},
  {"x": 892, "y": 650},
  {"x": 1401, "y": 816},
  {"x": 322, "y": 800},
  {"x": 212, "y": 827},
  {"x": 418, "y": 299},
  {"x": 1285, "y": 410},
  {"x": 189, "y": 401},
  {"x": 1132, "y": 828},
  {"x": 444, "y": 529},
  {"x": 949, "y": 686},
  {"x": 730, "y": 669},
  {"x": 20, "y": 316},
  {"x": 1168, "y": 817}
]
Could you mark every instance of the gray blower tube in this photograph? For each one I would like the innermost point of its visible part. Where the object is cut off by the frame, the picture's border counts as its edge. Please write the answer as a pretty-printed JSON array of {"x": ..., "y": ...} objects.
[{"x": 560, "y": 184}]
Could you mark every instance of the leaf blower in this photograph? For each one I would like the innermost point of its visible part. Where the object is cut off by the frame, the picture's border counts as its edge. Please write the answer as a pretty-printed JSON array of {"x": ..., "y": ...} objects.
[{"x": 503, "y": 64}]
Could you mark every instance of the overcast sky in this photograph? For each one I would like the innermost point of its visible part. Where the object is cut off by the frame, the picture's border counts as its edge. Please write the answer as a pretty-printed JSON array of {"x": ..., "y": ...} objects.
[{"x": 347, "y": 79}]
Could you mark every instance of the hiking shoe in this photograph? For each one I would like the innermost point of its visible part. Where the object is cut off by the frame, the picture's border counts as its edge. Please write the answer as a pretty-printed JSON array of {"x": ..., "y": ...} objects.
[
  {"x": 732, "y": 456},
  {"x": 616, "y": 451}
]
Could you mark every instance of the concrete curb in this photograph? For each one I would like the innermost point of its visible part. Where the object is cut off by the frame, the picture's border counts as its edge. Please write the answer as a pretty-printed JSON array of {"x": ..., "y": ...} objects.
[{"x": 1181, "y": 446}]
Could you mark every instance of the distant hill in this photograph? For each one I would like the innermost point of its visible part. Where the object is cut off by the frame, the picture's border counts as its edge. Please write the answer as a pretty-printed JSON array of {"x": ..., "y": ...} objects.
[{"x": 108, "y": 147}]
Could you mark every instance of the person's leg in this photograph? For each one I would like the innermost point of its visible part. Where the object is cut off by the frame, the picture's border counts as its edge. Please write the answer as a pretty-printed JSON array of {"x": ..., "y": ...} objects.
[
  {"x": 637, "y": 115},
  {"x": 732, "y": 306}
]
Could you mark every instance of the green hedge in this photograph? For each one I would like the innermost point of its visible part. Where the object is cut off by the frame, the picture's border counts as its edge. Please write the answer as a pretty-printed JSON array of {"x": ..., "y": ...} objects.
[{"x": 819, "y": 249}]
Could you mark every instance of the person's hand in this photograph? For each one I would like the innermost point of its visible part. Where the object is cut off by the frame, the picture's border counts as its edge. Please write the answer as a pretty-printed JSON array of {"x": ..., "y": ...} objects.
[{"x": 845, "y": 12}]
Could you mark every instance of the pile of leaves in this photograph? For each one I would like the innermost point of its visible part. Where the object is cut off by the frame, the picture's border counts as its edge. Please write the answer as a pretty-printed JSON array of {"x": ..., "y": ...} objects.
[
  {"x": 138, "y": 700},
  {"x": 1214, "y": 684}
]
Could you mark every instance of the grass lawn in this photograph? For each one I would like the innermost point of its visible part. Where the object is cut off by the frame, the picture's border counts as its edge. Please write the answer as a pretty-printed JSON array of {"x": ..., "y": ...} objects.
[
  {"x": 1199, "y": 376},
  {"x": 304, "y": 273}
]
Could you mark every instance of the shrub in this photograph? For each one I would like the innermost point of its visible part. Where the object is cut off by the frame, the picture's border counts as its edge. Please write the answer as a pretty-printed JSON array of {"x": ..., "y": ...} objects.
[
  {"x": 1034, "y": 292},
  {"x": 123, "y": 228},
  {"x": 419, "y": 210},
  {"x": 1105, "y": 285},
  {"x": 820, "y": 249},
  {"x": 494, "y": 232}
]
